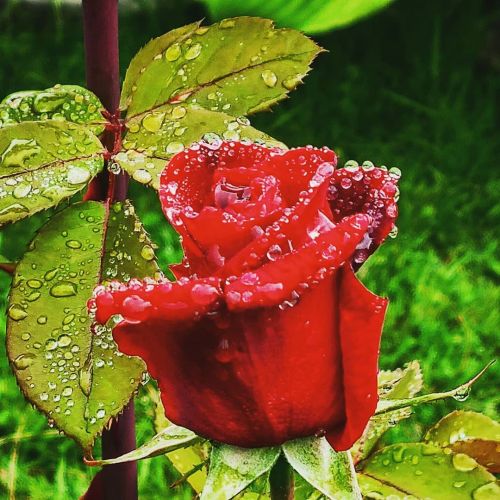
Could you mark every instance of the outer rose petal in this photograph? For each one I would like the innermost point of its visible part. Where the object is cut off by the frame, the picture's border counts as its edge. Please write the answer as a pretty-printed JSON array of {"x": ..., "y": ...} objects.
[
  {"x": 262, "y": 377},
  {"x": 361, "y": 321},
  {"x": 371, "y": 191}
]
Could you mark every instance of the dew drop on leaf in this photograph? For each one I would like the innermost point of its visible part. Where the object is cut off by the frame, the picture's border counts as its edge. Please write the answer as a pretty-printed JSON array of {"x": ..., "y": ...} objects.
[
  {"x": 463, "y": 462},
  {"x": 23, "y": 361},
  {"x": 77, "y": 175},
  {"x": 74, "y": 244},
  {"x": 16, "y": 312},
  {"x": 269, "y": 78},
  {"x": 173, "y": 52},
  {"x": 488, "y": 491},
  {"x": 63, "y": 289},
  {"x": 193, "y": 52}
]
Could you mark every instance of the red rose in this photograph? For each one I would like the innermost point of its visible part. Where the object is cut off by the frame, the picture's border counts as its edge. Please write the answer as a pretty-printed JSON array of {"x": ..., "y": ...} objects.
[{"x": 267, "y": 335}]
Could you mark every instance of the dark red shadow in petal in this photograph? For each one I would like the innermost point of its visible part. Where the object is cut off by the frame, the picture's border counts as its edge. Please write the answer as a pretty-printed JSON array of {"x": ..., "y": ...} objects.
[
  {"x": 372, "y": 191},
  {"x": 361, "y": 318}
]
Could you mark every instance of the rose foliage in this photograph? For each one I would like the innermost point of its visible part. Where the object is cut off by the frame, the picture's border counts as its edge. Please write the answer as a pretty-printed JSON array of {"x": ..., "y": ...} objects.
[{"x": 267, "y": 335}]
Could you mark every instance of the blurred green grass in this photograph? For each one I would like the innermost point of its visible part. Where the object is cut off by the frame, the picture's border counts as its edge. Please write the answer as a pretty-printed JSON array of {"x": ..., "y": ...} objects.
[{"x": 414, "y": 87}]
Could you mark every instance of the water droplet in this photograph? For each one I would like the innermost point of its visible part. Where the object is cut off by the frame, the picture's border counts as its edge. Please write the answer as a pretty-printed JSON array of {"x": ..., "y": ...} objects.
[
  {"x": 46, "y": 102},
  {"x": 23, "y": 361},
  {"x": 463, "y": 462},
  {"x": 175, "y": 147},
  {"x": 133, "y": 127},
  {"x": 44, "y": 396},
  {"x": 50, "y": 275},
  {"x": 41, "y": 320},
  {"x": 85, "y": 377},
  {"x": 152, "y": 122},
  {"x": 18, "y": 152},
  {"x": 64, "y": 289},
  {"x": 173, "y": 52},
  {"x": 34, "y": 284},
  {"x": 398, "y": 454},
  {"x": 22, "y": 190},
  {"x": 147, "y": 252},
  {"x": 178, "y": 112},
  {"x": 269, "y": 78},
  {"x": 291, "y": 82},
  {"x": 67, "y": 391},
  {"x": 193, "y": 52},
  {"x": 26, "y": 336},
  {"x": 74, "y": 244},
  {"x": 142, "y": 176},
  {"x": 100, "y": 413},
  {"x": 458, "y": 484},
  {"x": 16, "y": 312},
  {"x": 77, "y": 175},
  {"x": 64, "y": 341},
  {"x": 487, "y": 491},
  {"x": 462, "y": 394}
]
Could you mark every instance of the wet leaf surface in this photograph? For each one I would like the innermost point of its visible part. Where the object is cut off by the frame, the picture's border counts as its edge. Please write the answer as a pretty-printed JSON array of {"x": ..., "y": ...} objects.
[
  {"x": 417, "y": 470},
  {"x": 152, "y": 139},
  {"x": 42, "y": 163},
  {"x": 471, "y": 433},
  {"x": 76, "y": 377},
  {"x": 238, "y": 66},
  {"x": 62, "y": 103},
  {"x": 232, "y": 469},
  {"x": 329, "y": 472}
]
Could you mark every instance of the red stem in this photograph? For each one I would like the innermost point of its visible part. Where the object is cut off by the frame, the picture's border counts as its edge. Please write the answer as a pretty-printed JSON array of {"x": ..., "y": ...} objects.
[{"x": 100, "y": 20}]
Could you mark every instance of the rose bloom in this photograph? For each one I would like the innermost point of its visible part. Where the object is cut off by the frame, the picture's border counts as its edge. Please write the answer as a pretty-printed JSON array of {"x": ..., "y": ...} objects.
[{"x": 267, "y": 335}]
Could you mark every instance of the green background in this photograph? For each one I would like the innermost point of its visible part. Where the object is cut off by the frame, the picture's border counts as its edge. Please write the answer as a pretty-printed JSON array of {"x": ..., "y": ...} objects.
[{"x": 412, "y": 87}]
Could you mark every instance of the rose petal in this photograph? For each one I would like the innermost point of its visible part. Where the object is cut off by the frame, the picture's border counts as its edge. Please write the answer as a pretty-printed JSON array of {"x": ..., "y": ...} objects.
[
  {"x": 361, "y": 318},
  {"x": 289, "y": 231},
  {"x": 139, "y": 301},
  {"x": 368, "y": 190},
  {"x": 286, "y": 278}
]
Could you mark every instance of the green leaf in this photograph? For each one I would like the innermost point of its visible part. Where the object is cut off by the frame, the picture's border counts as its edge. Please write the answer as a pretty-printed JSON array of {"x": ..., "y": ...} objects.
[
  {"x": 471, "y": 433},
  {"x": 400, "y": 383},
  {"x": 151, "y": 140},
  {"x": 62, "y": 102},
  {"x": 329, "y": 472},
  {"x": 460, "y": 393},
  {"x": 183, "y": 459},
  {"x": 75, "y": 376},
  {"x": 42, "y": 163},
  {"x": 232, "y": 469},
  {"x": 239, "y": 66},
  {"x": 171, "y": 438},
  {"x": 417, "y": 470},
  {"x": 315, "y": 16}
]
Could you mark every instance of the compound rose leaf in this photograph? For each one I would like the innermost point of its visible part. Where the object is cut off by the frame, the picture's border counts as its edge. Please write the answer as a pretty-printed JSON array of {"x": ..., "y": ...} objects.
[
  {"x": 42, "y": 163},
  {"x": 69, "y": 370}
]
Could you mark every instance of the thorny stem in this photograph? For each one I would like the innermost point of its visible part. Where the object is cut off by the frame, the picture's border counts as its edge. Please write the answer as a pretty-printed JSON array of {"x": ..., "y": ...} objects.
[
  {"x": 281, "y": 480},
  {"x": 100, "y": 21}
]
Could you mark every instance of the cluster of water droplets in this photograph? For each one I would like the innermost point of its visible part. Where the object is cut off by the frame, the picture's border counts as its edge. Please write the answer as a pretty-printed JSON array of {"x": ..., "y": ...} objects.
[
  {"x": 61, "y": 102},
  {"x": 43, "y": 164}
]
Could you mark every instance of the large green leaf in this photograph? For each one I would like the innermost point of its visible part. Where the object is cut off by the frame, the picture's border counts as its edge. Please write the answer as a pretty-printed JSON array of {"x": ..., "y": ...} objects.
[
  {"x": 61, "y": 102},
  {"x": 417, "y": 470},
  {"x": 472, "y": 433},
  {"x": 396, "y": 384},
  {"x": 232, "y": 469},
  {"x": 75, "y": 376},
  {"x": 310, "y": 16},
  {"x": 329, "y": 472},
  {"x": 169, "y": 439},
  {"x": 238, "y": 66},
  {"x": 42, "y": 163},
  {"x": 152, "y": 139}
]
